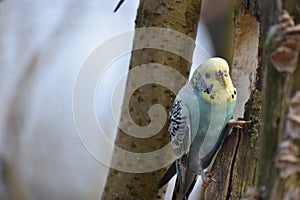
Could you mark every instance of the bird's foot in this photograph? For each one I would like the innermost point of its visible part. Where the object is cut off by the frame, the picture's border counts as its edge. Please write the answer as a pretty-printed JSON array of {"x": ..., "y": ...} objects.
[
  {"x": 207, "y": 178},
  {"x": 238, "y": 123}
]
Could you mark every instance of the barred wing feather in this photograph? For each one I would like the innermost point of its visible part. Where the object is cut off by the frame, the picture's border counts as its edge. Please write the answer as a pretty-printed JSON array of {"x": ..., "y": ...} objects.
[{"x": 180, "y": 129}]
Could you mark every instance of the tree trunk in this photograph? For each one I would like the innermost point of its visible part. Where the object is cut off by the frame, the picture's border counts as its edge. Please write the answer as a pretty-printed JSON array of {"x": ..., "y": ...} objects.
[
  {"x": 235, "y": 165},
  {"x": 255, "y": 157},
  {"x": 132, "y": 175}
]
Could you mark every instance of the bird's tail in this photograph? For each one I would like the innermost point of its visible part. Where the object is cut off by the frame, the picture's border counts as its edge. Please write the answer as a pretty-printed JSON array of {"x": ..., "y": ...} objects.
[{"x": 184, "y": 185}]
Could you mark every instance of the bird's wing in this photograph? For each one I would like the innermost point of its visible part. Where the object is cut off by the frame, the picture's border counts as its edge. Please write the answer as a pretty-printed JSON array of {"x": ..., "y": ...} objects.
[
  {"x": 180, "y": 133},
  {"x": 180, "y": 128}
]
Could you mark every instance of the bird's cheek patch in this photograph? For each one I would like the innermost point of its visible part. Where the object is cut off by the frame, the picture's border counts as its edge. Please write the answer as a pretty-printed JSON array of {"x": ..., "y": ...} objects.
[
  {"x": 209, "y": 89},
  {"x": 231, "y": 96}
]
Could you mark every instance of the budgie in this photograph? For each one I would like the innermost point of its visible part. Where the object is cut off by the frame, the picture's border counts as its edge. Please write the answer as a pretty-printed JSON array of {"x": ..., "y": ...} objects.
[{"x": 198, "y": 124}]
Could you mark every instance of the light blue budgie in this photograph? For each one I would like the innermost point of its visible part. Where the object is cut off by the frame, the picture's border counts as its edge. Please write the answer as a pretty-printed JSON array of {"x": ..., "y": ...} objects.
[{"x": 198, "y": 124}]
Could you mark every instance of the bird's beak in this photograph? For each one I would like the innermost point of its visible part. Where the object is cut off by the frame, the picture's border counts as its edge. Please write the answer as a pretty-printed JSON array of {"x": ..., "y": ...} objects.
[
  {"x": 224, "y": 76},
  {"x": 224, "y": 81}
]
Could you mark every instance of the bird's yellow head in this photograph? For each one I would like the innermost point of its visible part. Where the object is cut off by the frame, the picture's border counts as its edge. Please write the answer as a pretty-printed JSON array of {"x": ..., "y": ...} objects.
[{"x": 212, "y": 78}]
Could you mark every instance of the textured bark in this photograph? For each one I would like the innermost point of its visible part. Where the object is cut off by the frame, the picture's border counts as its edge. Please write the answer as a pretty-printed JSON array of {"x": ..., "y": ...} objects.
[
  {"x": 256, "y": 157},
  {"x": 181, "y": 16},
  {"x": 235, "y": 165}
]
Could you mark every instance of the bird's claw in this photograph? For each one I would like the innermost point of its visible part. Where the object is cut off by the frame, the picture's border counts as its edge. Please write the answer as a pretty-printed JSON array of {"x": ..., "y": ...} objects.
[
  {"x": 207, "y": 178},
  {"x": 237, "y": 123}
]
